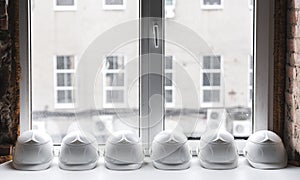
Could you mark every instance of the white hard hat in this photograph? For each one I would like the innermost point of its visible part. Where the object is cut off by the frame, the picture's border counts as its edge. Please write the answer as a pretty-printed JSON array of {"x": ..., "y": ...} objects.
[
  {"x": 265, "y": 150},
  {"x": 33, "y": 151},
  {"x": 79, "y": 151},
  {"x": 170, "y": 150},
  {"x": 123, "y": 151},
  {"x": 217, "y": 150}
]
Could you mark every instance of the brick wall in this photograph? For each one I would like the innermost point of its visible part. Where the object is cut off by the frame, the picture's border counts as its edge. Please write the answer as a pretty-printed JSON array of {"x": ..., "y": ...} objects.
[
  {"x": 279, "y": 65},
  {"x": 286, "y": 76},
  {"x": 9, "y": 77},
  {"x": 292, "y": 90}
]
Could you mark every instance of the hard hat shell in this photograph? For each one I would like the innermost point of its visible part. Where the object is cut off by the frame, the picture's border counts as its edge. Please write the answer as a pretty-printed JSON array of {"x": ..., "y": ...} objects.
[
  {"x": 79, "y": 151},
  {"x": 217, "y": 150},
  {"x": 33, "y": 151},
  {"x": 123, "y": 151},
  {"x": 264, "y": 150},
  {"x": 170, "y": 150}
]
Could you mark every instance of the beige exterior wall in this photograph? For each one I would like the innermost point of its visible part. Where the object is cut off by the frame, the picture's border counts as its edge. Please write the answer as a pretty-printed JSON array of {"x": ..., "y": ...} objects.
[{"x": 227, "y": 32}]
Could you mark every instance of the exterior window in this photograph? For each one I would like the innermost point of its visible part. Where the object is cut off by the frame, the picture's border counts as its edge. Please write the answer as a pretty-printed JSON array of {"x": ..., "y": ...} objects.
[
  {"x": 114, "y": 81},
  {"x": 250, "y": 3},
  {"x": 212, "y": 4},
  {"x": 169, "y": 79},
  {"x": 250, "y": 81},
  {"x": 211, "y": 80},
  {"x": 114, "y": 4},
  {"x": 110, "y": 91},
  {"x": 170, "y": 8},
  {"x": 170, "y": 2},
  {"x": 65, "y": 5},
  {"x": 64, "y": 79}
]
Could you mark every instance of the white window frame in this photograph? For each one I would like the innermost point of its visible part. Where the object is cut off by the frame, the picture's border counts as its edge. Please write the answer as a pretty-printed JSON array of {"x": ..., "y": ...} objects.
[
  {"x": 250, "y": 78},
  {"x": 263, "y": 71},
  {"x": 107, "y": 88},
  {"x": 64, "y": 8},
  {"x": 250, "y": 4},
  {"x": 172, "y": 87},
  {"x": 170, "y": 6},
  {"x": 114, "y": 7},
  {"x": 212, "y": 7},
  {"x": 220, "y": 88},
  {"x": 56, "y": 88}
]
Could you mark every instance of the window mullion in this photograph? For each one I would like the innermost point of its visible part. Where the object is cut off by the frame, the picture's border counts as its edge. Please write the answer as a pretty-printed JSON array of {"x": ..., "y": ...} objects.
[{"x": 151, "y": 70}]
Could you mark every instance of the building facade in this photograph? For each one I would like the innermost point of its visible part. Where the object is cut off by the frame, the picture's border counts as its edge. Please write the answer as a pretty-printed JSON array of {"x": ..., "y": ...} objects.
[{"x": 198, "y": 85}]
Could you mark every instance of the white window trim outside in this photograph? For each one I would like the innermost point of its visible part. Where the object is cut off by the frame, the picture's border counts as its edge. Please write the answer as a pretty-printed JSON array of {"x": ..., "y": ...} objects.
[
  {"x": 106, "y": 88},
  {"x": 171, "y": 6},
  {"x": 170, "y": 10},
  {"x": 64, "y": 8},
  {"x": 56, "y": 88},
  {"x": 114, "y": 7},
  {"x": 250, "y": 78},
  {"x": 221, "y": 87},
  {"x": 212, "y": 7},
  {"x": 172, "y": 104},
  {"x": 263, "y": 72},
  {"x": 250, "y": 4}
]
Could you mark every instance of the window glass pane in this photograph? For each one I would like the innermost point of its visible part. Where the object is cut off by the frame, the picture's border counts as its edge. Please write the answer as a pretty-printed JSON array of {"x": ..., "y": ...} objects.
[
  {"x": 115, "y": 96},
  {"x": 92, "y": 52},
  {"x": 216, "y": 79},
  {"x": 251, "y": 62},
  {"x": 212, "y": 2},
  {"x": 65, "y": 62},
  {"x": 251, "y": 79},
  {"x": 168, "y": 62},
  {"x": 169, "y": 96},
  {"x": 64, "y": 96},
  {"x": 64, "y": 2},
  {"x": 64, "y": 79},
  {"x": 211, "y": 62},
  {"x": 114, "y": 2},
  {"x": 169, "y": 2},
  {"x": 168, "y": 79},
  {"x": 115, "y": 62},
  {"x": 211, "y": 95},
  {"x": 115, "y": 79},
  {"x": 60, "y": 62},
  {"x": 212, "y": 72},
  {"x": 206, "y": 79}
]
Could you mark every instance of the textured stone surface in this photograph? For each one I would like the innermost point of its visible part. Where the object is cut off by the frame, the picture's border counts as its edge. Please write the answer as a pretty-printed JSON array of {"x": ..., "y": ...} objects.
[
  {"x": 292, "y": 90},
  {"x": 9, "y": 77},
  {"x": 286, "y": 75},
  {"x": 279, "y": 65}
]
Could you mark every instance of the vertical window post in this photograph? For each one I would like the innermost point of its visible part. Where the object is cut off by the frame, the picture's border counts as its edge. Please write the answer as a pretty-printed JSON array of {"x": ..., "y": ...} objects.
[{"x": 151, "y": 70}]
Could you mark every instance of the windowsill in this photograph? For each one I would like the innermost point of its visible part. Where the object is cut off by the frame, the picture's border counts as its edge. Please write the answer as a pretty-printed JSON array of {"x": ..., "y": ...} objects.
[{"x": 148, "y": 172}]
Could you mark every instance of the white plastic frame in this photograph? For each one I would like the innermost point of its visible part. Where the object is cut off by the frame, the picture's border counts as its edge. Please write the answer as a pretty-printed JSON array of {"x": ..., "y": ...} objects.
[
  {"x": 64, "y": 8},
  {"x": 123, "y": 88},
  {"x": 220, "y": 88},
  {"x": 114, "y": 7},
  {"x": 172, "y": 88},
  {"x": 212, "y": 7},
  {"x": 56, "y": 88},
  {"x": 263, "y": 52}
]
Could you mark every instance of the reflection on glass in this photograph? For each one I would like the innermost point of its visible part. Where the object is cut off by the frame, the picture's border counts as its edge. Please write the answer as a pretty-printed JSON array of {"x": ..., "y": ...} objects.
[
  {"x": 214, "y": 85},
  {"x": 59, "y": 51}
]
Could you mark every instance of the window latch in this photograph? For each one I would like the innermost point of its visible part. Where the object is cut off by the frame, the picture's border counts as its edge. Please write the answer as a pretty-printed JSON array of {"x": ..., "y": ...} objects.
[{"x": 155, "y": 34}]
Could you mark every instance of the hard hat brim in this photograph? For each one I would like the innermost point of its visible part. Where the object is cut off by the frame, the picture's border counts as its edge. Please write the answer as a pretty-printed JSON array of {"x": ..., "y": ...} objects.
[
  {"x": 162, "y": 166},
  {"x": 122, "y": 167},
  {"x": 32, "y": 167},
  {"x": 78, "y": 167},
  {"x": 218, "y": 166},
  {"x": 268, "y": 165}
]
